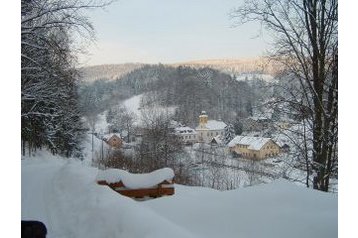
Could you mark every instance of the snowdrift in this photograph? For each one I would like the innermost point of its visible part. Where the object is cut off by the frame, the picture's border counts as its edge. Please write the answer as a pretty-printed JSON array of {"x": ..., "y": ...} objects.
[{"x": 65, "y": 196}]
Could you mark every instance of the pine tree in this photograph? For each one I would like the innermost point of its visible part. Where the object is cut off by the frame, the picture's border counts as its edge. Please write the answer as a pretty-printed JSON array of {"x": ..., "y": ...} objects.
[{"x": 229, "y": 133}]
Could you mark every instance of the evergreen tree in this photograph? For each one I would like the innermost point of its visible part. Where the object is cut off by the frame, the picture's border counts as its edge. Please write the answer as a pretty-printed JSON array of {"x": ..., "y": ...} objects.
[{"x": 229, "y": 133}]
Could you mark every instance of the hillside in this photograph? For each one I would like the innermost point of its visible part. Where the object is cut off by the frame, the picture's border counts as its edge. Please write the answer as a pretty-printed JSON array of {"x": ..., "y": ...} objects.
[
  {"x": 189, "y": 90},
  {"x": 63, "y": 194},
  {"x": 236, "y": 66},
  {"x": 230, "y": 66},
  {"x": 107, "y": 71}
]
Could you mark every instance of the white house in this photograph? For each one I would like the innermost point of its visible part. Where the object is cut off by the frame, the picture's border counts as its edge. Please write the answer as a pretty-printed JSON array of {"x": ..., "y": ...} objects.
[
  {"x": 208, "y": 129},
  {"x": 187, "y": 134}
]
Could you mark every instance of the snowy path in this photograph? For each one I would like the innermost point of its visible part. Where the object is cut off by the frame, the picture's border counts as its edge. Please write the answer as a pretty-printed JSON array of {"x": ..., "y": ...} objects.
[{"x": 37, "y": 201}]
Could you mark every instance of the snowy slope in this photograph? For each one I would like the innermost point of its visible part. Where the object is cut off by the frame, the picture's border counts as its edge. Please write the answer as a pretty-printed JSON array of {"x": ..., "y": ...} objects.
[
  {"x": 280, "y": 209},
  {"x": 133, "y": 104},
  {"x": 63, "y": 194}
]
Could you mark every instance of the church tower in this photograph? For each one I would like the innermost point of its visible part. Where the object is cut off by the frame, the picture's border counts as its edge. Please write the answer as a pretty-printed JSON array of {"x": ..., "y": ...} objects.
[{"x": 203, "y": 119}]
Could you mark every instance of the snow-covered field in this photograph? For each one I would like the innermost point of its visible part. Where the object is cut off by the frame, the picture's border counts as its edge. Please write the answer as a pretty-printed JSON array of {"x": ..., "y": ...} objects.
[
  {"x": 63, "y": 194},
  {"x": 133, "y": 104}
]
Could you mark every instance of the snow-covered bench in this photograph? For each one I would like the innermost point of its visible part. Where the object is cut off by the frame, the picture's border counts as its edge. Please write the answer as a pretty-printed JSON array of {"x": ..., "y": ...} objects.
[{"x": 155, "y": 184}]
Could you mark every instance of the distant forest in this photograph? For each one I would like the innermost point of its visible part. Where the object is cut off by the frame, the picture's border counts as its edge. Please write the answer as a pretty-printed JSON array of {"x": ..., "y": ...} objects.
[{"x": 190, "y": 90}]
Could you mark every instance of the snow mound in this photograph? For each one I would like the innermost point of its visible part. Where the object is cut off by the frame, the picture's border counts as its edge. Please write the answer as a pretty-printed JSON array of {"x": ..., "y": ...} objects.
[{"x": 135, "y": 181}]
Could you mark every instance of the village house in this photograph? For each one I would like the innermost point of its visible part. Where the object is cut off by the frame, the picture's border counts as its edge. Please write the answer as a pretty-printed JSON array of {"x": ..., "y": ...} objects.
[
  {"x": 187, "y": 134},
  {"x": 254, "y": 147},
  {"x": 208, "y": 129},
  {"x": 114, "y": 140}
]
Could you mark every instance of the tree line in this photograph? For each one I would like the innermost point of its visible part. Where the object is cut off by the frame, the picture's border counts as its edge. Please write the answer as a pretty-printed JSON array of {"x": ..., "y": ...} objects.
[{"x": 50, "y": 115}]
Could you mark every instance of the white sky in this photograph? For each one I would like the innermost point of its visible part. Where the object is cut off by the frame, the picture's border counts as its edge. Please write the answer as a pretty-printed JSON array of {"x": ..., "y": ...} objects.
[{"x": 167, "y": 31}]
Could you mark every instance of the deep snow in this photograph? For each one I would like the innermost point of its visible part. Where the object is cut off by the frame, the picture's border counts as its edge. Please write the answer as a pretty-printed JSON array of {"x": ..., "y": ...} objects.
[{"x": 64, "y": 195}]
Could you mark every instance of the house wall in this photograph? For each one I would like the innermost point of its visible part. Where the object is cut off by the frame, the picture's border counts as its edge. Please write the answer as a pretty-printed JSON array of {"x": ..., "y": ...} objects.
[
  {"x": 206, "y": 135},
  {"x": 270, "y": 149},
  {"x": 189, "y": 137},
  {"x": 115, "y": 141}
]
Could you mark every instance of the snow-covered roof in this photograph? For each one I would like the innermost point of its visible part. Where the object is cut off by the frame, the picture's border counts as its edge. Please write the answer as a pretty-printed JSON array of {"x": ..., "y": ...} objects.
[
  {"x": 174, "y": 124},
  {"x": 218, "y": 139},
  {"x": 254, "y": 143},
  {"x": 185, "y": 130},
  {"x": 135, "y": 181},
  {"x": 258, "y": 118},
  {"x": 109, "y": 136},
  {"x": 214, "y": 125}
]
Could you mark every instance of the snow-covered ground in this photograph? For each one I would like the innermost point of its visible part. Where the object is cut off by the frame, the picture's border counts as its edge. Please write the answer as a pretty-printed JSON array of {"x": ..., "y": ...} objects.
[
  {"x": 63, "y": 194},
  {"x": 133, "y": 104}
]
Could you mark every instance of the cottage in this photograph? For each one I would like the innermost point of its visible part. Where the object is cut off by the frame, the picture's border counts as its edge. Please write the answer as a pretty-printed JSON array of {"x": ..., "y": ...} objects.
[
  {"x": 254, "y": 147},
  {"x": 155, "y": 184},
  {"x": 114, "y": 140},
  {"x": 208, "y": 129},
  {"x": 187, "y": 134}
]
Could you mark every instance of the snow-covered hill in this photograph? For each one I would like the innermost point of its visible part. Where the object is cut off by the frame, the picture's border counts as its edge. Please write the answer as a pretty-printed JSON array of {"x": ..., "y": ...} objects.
[
  {"x": 107, "y": 71},
  {"x": 63, "y": 194}
]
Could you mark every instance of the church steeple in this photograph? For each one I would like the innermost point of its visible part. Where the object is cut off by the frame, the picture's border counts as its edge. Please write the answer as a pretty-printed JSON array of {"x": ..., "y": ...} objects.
[{"x": 203, "y": 119}]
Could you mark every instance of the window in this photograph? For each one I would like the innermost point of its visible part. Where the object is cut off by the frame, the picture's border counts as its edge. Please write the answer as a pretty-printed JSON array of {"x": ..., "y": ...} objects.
[{"x": 217, "y": 133}]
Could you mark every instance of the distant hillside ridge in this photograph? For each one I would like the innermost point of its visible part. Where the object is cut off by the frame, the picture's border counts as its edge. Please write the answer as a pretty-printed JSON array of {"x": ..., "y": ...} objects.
[
  {"x": 230, "y": 66},
  {"x": 236, "y": 66},
  {"x": 107, "y": 71}
]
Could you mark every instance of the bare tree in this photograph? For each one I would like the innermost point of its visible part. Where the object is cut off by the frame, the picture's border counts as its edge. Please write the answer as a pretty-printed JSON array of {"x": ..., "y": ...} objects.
[
  {"x": 121, "y": 119},
  {"x": 306, "y": 42}
]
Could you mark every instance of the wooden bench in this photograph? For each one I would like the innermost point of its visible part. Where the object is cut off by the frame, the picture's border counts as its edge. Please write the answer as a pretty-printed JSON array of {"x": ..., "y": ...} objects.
[{"x": 164, "y": 188}]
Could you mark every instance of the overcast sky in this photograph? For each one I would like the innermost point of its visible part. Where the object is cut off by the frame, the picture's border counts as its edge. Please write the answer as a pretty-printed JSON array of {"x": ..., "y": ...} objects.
[{"x": 168, "y": 31}]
